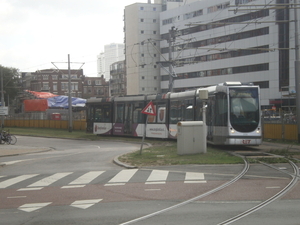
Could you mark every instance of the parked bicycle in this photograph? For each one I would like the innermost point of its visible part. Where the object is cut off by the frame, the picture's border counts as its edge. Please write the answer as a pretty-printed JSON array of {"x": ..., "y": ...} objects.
[{"x": 7, "y": 138}]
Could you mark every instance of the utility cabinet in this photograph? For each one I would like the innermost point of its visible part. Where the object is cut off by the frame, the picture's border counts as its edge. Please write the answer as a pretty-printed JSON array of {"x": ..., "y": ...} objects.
[{"x": 191, "y": 137}]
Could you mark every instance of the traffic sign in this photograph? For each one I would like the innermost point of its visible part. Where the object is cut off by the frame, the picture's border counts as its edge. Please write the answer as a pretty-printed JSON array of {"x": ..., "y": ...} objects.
[
  {"x": 3, "y": 111},
  {"x": 149, "y": 109}
]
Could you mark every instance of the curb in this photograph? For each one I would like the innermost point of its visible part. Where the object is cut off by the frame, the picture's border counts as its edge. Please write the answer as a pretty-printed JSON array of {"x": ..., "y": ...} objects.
[{"x": 127, "y": 166}]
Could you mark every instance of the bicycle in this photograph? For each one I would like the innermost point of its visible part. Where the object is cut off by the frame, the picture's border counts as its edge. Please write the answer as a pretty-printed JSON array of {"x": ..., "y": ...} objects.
[{"x": 8, "y": 138}]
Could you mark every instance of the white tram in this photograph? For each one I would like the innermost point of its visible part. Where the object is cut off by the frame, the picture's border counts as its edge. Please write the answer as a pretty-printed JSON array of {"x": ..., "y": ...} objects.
[{"x": 232, "y": 114}]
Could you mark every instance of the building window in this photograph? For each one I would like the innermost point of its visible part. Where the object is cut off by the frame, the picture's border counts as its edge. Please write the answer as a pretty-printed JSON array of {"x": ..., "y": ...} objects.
[
  {"x": 154, "y": 55},
  {"x": 45, "y": 86},
  {"x": 155, "y": 77},
  {"x": 154, "y": 20},
  {"x": 74, "y": 86},
  {"x": 98, "y": 82},
  {"x": 142, "y": 31},
  {"x": 89, "y": 82},
  {"x": 141, "y": 8},
  {"x": 54, "y": 77},
  {"x": 142, "y": 20},
  {"x": 45, "y": 77},
  {"x": 54, "y": 86},
  {"x": 64, "y": 86},
  {"x": 143, "y": 89},
  {"x": 142, "y": 54},
  {"x": 154, "y": 32},
  {"x": 154, "y": 66},
  {"x": 154, "y": 8},
  {"x": 143, "y": 77}
]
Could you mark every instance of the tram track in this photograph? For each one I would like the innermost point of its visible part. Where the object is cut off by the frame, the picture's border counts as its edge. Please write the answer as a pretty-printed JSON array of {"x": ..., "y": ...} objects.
[
  {"x": 239, "y": 176},
  {"x": 286, "y": 189},
  {"x": 295, "y": 176}
]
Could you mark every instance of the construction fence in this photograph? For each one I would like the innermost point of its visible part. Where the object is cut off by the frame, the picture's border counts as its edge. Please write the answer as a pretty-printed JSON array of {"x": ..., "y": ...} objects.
[
  {"x": 273, "y": 127},
  {"x": 58, "y": 119}
]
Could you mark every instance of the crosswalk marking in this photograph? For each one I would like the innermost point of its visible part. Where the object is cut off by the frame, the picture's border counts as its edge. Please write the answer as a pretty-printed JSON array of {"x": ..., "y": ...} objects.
[
  {"x": 157, "y": 177},
  {"x": 12, "y": 181},
  {"x": 49, "y": 180},
  {"x": 86, "y": 178},
  {"x": 122, "y": 177},
  {"x": 192, "y": 178}
]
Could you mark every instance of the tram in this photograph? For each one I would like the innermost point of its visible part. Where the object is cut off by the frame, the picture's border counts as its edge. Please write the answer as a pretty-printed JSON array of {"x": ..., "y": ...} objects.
[{"x": 232, "y": 114}]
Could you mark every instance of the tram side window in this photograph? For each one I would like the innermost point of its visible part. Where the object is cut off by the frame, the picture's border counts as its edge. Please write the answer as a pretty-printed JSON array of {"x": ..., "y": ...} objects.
[
  {"x": 188, "y": 110},
  {"x": 98, "y": 114},
  {"x": 221, "y": 110},
  {"x": 106, "y": 113},
  {"x": 175, "y": 112},
  {"x": 119, "y": 113},
  {"x": 199, "y": 110},
  {"x": 137, "y": 113},
  {"x": 89, "y": 114}
]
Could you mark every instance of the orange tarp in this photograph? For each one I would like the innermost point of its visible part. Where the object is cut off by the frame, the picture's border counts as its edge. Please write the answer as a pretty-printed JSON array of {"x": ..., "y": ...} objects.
[
  {"x": 33, "y": 105},
  {"x": 42, "y": 94}
]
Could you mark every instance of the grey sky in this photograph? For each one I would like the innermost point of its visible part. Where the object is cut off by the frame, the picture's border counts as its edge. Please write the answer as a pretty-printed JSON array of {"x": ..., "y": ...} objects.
[{"x": 34, "y": 33}]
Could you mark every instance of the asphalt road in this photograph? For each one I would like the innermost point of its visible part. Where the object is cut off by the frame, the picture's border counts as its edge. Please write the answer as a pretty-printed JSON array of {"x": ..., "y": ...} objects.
[{"x": 76, "y": 182}]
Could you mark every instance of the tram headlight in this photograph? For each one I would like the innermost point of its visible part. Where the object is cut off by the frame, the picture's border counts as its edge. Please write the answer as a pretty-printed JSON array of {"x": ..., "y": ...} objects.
[
  {"x": 232, "y": 130},
  {"x": 258, "y": 130}
]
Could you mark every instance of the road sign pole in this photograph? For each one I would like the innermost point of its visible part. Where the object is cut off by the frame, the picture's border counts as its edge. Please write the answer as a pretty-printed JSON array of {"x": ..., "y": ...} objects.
[{"x": 144, "y": 134}]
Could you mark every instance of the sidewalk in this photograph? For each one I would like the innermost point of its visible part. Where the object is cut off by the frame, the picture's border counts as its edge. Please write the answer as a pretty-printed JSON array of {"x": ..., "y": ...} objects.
[{"x": 12, "y": 150}]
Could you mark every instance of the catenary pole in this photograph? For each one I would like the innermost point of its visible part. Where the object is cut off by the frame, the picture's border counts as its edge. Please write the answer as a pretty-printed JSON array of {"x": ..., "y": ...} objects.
[
  {"x": 70, "y": 96},
  {"x": 297, "y": 70}
]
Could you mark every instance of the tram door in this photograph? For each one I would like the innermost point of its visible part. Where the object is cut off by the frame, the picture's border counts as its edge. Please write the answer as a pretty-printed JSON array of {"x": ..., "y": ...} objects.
[
  {"x": 210, "y": 115},
  {"x": 128, "y": 118}
]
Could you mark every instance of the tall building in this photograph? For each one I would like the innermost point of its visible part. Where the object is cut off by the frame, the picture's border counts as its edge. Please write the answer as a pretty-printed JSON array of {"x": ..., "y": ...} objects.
[
  {"x": 141, "y": 27},
  {"x": 213, "y": 41},
  {"x": 113, "y": 52},
  {"x": 100, "y": 64}
]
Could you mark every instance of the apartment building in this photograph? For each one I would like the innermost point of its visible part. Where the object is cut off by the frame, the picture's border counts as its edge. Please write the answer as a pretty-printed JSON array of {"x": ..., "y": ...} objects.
[
  {"x": 57, "y": 82},
  {"x": 113, "y": 52},
  {"x": 142, "y": 51},
  {"x": 218, "y": 40}
]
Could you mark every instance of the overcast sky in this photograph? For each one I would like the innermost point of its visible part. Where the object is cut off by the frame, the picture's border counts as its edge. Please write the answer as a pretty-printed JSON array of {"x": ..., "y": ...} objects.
[{"x": 34, "y": 33}]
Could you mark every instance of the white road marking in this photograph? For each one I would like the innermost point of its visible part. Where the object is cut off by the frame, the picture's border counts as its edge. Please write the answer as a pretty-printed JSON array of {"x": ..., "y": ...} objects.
[
  {"x": 73, "y": 186},
  {"x": 87, "y": 178},
  {"x": 123, "y": 176},
  {"x": 12, "y": 181},
  {"x": 193, "y": 178},
  {"x": 30, "y": 189},
  {"x": 17, "y": 197},
  {"x": 49, "y": 180},
  {"x": 16, "y": 161},
  {"x": 84, "y": 204},
  {"x": 157, "y": 177},
  {"x": 273, "y": 187},
  {"x": 152, "y": 189},
  {"x": 33, "y": 206}
]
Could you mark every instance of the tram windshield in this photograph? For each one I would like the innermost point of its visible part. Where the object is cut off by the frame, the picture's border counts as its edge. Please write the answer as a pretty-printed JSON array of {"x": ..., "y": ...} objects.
[{"x": 244, "y": 109}]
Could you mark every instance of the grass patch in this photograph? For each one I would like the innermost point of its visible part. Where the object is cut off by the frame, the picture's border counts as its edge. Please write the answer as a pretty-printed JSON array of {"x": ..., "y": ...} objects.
[
  {"x": 166, "y": 154},
  {"x": 162, "y": 152}
]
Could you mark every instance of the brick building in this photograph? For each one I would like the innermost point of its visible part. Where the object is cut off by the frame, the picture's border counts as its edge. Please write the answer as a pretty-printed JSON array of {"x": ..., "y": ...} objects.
[{"x": 57, "y": 82}]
